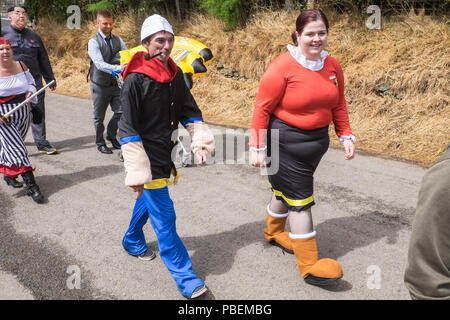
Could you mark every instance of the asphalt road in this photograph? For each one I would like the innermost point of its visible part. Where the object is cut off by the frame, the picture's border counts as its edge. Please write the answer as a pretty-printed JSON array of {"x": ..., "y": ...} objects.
[{"x": 70, "y": 246}]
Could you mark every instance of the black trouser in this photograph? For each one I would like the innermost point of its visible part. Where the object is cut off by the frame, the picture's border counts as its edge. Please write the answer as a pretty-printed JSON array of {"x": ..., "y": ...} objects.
[{"x": 38, "y": 129}]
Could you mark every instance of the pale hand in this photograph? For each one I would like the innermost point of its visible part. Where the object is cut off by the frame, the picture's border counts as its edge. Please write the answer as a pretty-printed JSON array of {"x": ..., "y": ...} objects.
[
  {"x": 349, "y": 148},
  {"x": 201, "y": 155},
  {"x": 28, "y": 94},
  {"x": 257, "y": 158}
]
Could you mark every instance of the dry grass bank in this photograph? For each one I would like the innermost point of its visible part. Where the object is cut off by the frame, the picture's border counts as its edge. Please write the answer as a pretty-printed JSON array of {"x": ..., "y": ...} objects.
[{"x": 396, "y": 78}]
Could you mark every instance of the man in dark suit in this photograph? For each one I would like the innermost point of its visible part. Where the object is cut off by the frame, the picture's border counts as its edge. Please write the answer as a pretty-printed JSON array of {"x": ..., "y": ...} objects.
[{"x": 29, "y": 48}]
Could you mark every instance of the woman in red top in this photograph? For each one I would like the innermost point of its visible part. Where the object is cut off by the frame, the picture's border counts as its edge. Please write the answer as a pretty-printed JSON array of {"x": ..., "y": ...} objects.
[{"x": 300, "y": 94}]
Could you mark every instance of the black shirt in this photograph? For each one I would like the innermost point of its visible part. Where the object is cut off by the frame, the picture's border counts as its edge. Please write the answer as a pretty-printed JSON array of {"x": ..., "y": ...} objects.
[
  {"x": 153, "y": 111},
  {"x": 28, "y": 47}
]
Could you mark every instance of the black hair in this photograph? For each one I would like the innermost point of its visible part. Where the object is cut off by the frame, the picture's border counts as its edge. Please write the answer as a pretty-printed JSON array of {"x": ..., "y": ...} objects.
[{"x": 11, "y": 8}]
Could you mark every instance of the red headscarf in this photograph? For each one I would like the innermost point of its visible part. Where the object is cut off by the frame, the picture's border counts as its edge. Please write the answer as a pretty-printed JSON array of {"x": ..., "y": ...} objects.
[{"x": 5, "y": 41}]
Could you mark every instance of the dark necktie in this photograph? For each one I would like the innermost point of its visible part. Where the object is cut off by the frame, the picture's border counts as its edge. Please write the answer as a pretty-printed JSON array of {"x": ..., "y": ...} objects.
[{"x": 108, "y": 42}]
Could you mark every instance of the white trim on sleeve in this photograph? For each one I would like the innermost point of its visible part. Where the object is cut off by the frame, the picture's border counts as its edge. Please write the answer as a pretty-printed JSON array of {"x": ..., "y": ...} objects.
[{"x": 350, "y": 137}]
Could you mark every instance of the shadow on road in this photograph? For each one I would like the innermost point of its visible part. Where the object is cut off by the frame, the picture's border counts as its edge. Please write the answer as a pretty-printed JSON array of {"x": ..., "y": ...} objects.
[
  {"x": 337, "y": 237},
  {"x": 216, "y": 253},
  {"x": 75, "y": 144},
  {"x": 41, "y": 265},
  {"x": 50, "y": 184}
]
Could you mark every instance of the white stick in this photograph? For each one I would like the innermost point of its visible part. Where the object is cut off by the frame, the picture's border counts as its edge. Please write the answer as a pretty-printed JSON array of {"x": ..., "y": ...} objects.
[{"x": 6, "y": 115}]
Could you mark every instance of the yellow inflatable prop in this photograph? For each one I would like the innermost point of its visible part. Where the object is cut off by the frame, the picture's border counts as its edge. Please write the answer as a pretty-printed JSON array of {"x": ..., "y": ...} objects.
[{"x": 190, "y": 55}]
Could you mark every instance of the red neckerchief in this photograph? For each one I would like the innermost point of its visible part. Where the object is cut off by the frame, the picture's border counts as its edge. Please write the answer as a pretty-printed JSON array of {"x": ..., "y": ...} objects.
[{"x": 153, "y": 68}]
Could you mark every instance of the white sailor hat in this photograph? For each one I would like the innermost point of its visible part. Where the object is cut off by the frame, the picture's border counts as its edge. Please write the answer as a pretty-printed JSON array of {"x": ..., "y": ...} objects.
[{"x": 153, "y": 24}]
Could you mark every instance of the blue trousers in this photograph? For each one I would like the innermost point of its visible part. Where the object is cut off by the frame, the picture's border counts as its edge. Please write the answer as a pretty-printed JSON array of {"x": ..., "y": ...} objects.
[{"x": 156, "y": 205}]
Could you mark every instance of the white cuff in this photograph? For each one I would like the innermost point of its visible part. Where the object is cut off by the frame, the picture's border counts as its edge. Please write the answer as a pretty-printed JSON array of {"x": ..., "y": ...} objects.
[
  {"x": 302, "y": 236},
  {"x": 33, "y": 90},
  {"x": 257, "y": 149},
  {"x": 137, "y": 164},
  {"x": 276, "y": 215},
  {"x": 350, "y": 137}
]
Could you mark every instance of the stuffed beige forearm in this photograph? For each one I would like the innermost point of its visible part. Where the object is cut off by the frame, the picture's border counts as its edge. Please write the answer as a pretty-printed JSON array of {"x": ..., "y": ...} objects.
[
  {"x": 201, "y": 137},
  {"x": 137, "y": 164}
]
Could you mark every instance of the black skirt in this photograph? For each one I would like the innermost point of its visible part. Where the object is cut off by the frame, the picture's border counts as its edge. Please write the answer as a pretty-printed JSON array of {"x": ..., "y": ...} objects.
[{"x": 292, "y": 166}]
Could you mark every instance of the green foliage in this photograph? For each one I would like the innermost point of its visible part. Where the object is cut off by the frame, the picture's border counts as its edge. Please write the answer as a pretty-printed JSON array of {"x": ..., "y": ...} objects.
[
  {"x": 388, "y": 7},
  {"x": 233, "y": 12},
  {"x": 229, "y": 10},
  {"x": 58, "y": 8},
  {"x": 101, "y": 5}
]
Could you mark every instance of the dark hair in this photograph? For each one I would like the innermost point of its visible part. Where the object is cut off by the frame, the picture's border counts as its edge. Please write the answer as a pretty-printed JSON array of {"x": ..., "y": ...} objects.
[
  {"x": 150, "y": 37},
  {"x": 306, "y": 17},
  {"x": 14, "y": 7},
  {"x": 104, "y": 14}
]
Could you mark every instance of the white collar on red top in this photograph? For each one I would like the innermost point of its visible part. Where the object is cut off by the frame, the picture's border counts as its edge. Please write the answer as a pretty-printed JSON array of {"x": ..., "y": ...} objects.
[{"x": 314, "y": 65}]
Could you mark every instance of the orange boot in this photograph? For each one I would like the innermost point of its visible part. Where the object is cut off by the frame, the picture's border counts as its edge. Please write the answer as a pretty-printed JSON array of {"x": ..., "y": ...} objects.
[
  {"x": 315, "y": 271},
  {"x": 274, "y": 232}
]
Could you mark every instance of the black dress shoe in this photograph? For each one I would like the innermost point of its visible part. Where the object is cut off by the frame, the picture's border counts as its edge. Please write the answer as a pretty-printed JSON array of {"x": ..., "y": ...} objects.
[
  {"x": 12, "y": 182},
  {"x": 114, "y": 142},
  {"x": 104, "y": 149}
]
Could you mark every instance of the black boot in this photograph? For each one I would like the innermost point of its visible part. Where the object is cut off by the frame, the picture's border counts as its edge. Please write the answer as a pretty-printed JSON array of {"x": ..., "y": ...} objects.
[
  {"x": 12, "y": 182},
  {"x": 33, "y": 188}
]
